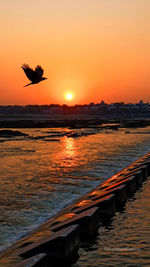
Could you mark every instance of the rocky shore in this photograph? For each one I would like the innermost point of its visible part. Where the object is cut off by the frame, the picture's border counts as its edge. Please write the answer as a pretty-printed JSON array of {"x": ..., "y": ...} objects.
[{"x": 72, "y": 122}]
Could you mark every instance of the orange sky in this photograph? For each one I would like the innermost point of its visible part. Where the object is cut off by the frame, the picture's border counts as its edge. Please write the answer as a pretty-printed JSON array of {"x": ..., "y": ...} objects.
[{"x": 97, "y": 49}]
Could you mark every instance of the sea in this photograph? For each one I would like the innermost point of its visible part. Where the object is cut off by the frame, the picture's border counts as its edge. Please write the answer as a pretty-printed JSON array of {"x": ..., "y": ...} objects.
[{"x": 44, "y": 171}]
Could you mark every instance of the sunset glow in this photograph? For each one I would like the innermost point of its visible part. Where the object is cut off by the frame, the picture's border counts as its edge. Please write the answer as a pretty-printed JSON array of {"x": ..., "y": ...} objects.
[
  {"x": 100, "y": 49},
  {"x": 69, "y": 96}
]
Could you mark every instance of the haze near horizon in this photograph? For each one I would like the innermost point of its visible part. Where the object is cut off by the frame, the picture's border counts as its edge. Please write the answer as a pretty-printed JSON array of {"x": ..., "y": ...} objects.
[{"x": 89, "y": 50}]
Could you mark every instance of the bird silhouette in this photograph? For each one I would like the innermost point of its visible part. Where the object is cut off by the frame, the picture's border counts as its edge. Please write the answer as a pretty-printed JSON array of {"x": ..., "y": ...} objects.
[{"x": 35, "y": 76}]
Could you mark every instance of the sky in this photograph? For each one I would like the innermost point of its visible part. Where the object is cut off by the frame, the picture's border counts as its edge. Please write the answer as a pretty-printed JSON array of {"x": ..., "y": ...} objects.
[{"x": 93, "y": 49}]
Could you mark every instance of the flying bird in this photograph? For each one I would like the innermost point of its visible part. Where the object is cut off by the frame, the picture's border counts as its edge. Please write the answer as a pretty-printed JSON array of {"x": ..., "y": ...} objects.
[{"x": 35, "y": 76}]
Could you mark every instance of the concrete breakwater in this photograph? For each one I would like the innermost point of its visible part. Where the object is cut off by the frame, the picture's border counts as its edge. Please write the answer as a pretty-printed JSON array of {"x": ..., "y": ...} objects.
[{"x": 58, "y": 239}]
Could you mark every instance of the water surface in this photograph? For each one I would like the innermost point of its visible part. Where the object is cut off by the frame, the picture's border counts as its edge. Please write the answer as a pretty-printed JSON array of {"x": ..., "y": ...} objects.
[
  {"x": 125, "y": 241},
  {"x": 42, "y": 173}
]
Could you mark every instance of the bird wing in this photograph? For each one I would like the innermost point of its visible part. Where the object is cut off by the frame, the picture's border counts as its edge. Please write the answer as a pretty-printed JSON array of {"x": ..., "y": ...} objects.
[
  {"x": 39, "y": 71},
  {"x": 31, "y": 74}
]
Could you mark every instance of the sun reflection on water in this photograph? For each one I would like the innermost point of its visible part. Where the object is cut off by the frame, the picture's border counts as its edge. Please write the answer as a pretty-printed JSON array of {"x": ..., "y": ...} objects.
[
  {"x": 69, "y": 147},
  {"x": 68, "y": 155}
]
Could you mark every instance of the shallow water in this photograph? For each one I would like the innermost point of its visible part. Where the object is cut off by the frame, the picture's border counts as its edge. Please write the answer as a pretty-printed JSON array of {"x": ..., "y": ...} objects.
[
  {"x": 44, "y": 172},
  {"x": 126, "y": 240}
]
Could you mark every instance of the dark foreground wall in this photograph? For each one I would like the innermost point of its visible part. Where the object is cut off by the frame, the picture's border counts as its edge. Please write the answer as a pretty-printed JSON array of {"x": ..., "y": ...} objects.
[{"x": 56, "y": 242}]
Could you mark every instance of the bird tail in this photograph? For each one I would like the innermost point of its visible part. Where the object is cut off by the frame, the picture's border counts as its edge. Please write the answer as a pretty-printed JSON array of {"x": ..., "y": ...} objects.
[{"x": 28, "y": 84}]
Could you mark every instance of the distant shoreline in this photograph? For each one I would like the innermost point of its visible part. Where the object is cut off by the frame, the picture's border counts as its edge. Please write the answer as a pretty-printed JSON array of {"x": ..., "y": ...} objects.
[{"x": 72, "y": 121}]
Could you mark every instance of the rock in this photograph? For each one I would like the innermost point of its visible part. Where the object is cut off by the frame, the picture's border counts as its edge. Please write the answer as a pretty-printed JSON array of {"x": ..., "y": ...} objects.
[
  {"x": 51, "y": 140},
  {"x": 10, "y": 133}
]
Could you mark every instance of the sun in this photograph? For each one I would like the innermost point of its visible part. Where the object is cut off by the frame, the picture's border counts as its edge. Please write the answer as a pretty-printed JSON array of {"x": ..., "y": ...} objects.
[{"x": 69, "y": 96}]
